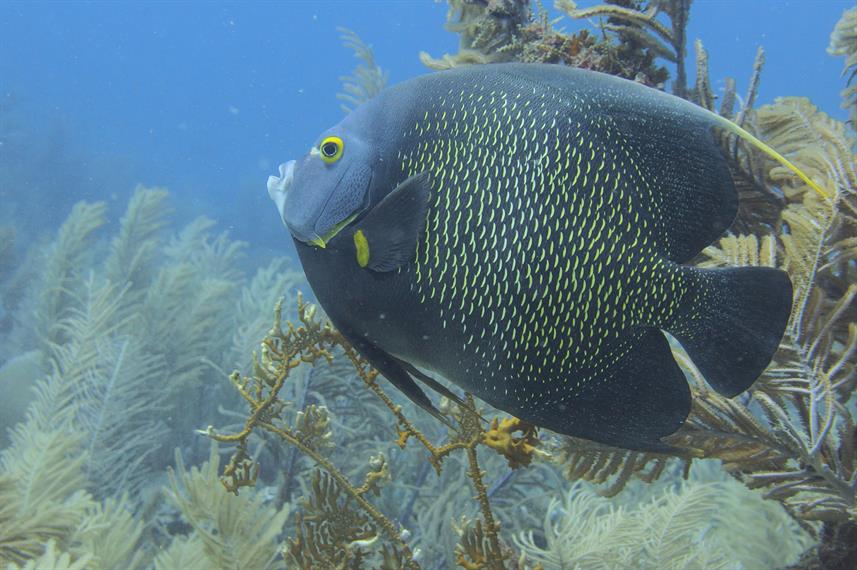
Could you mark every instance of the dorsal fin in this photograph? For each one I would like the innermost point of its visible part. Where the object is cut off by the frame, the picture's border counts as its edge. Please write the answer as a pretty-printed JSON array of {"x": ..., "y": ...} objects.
[
  {"x": 662, "y": 145},
  {"x": 742, "y": 133}
]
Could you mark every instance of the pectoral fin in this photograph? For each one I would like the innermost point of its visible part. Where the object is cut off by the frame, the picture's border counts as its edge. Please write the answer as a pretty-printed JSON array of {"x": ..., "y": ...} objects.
[
  {"x": 387, "y": 238},
  {"x": 432, "y": 383}
]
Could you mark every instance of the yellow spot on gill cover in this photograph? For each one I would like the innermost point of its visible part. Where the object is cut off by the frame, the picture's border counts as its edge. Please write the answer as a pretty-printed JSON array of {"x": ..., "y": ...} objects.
[{"x": 361, "y": 245}]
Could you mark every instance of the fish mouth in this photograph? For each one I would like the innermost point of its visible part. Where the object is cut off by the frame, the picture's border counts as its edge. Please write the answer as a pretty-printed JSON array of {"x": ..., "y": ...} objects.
[{"x": 278, "y": 187}]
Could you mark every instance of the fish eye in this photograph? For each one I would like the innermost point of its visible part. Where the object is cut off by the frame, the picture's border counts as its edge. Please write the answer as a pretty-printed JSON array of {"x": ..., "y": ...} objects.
[{"x": 331, "y": 149}]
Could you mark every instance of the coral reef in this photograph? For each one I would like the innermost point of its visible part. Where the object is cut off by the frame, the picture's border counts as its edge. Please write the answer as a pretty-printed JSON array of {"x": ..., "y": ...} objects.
[
  {"x": 116, "y": 338},
  {"x": 586, "y": 530},
  {"x": 95, "y": 380},
  {"x": 843, "y": 41},
  {"x": 640, "y": 37},
  {"x": 330, "y": 529},
  {"x": 631, "y": 42},
  {"x": 53, "y": 560},
  {"x": 367, "y": 79},
  {"x": 488, "y": 31},
  {"x": 228, "y": 531},
  {"x": 44, "y": 469},
  {"x": 16, "y": 386}
]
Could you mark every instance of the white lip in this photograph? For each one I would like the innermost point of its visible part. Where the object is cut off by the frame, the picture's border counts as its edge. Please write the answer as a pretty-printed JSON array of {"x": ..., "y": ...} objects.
[{"x": 278, "y": 186}]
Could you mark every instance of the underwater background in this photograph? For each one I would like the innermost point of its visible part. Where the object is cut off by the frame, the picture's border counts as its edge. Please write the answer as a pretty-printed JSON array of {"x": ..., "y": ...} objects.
[{"x": 141, "y": 262}]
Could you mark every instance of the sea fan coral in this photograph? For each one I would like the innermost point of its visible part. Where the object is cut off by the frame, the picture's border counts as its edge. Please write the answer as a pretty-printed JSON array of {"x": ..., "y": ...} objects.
[
  {"x": 367, "y": 79},
  {"x": 691, "y": 526},
  {"x": 93, "y": 424},
  {"x": 229, "y": 531},
  {"x": 843, "y": 41},
  {"x": 632, "y": 40}
]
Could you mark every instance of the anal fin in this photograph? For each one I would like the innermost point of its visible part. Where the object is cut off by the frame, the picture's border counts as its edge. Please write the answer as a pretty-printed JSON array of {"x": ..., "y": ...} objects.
[
  {"x": 392, "y": 370},
  {"x": 641, "y": 399},
  {"x": 432, "y": 383}
]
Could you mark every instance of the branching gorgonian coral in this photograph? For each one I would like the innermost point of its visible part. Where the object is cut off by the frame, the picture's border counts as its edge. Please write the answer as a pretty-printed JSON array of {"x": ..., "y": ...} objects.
[{"x": 339, "y": 522}]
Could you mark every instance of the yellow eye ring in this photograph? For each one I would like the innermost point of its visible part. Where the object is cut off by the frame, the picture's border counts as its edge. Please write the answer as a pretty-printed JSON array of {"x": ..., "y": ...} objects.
[{"x": 331, "y": 149}]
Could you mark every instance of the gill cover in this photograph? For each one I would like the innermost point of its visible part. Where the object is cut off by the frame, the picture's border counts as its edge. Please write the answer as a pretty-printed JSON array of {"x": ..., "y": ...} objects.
[{"x": 328, "y": 187}]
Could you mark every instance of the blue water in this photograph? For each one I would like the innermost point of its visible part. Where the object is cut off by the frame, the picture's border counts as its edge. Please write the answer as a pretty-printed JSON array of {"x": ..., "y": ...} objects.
[{"x": 206, "y": 98}]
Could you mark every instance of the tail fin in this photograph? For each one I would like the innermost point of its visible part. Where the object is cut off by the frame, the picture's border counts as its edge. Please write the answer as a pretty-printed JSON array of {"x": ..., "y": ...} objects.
[{"x": 732, "y": 322}]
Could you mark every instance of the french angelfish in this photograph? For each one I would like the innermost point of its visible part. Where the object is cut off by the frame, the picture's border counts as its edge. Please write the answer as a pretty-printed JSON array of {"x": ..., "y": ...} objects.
[{"x": 520, "y": 230}]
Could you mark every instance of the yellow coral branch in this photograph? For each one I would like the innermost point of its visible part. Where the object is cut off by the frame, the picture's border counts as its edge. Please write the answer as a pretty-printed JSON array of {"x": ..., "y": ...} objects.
[{"x": 284, "y": 350}]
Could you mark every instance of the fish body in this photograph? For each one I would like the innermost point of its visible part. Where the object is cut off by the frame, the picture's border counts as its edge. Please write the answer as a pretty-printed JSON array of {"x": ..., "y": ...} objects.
[{"x": 520, "y": 230}]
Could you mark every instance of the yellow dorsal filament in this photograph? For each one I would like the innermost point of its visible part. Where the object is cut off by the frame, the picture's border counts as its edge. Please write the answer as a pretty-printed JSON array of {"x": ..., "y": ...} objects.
[{"x": 747, "y": 136}]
